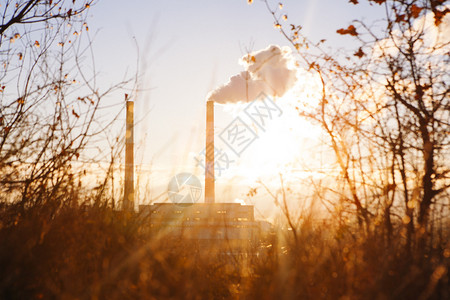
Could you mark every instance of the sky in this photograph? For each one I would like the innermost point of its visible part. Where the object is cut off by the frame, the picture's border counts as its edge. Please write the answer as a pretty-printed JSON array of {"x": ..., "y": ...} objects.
[{"x": 184, "y": 50}]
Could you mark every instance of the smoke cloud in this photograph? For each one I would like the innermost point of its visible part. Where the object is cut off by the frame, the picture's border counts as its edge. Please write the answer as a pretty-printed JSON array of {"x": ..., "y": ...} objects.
[{"x": 270, "y": 70}]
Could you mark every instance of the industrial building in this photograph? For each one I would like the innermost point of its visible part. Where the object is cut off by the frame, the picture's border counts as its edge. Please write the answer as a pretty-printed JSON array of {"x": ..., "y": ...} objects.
[{"x": 230, "y": 226}]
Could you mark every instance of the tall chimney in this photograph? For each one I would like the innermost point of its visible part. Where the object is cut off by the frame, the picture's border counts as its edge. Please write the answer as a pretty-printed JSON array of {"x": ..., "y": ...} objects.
[
  {"x": 209, "y": 154},
  {"x": 128, "y": 200}
]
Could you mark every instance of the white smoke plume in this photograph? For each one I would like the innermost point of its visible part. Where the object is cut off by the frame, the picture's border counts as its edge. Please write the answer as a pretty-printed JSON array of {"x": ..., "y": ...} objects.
[{"x": 270, "y": 70}]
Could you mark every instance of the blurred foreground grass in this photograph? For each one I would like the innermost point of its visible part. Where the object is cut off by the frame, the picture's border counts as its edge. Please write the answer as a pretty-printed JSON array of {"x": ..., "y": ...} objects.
[{"x": 51, "y": 251}]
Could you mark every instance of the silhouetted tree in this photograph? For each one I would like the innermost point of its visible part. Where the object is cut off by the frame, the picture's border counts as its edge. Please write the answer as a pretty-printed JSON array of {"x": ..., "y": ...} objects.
[
  {"x": 49, "y": 98},
  {"x": 386, "y": 109}
]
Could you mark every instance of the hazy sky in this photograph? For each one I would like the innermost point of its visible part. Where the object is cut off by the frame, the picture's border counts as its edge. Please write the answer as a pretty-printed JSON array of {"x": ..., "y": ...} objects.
[{"x": 186, "y": 49}]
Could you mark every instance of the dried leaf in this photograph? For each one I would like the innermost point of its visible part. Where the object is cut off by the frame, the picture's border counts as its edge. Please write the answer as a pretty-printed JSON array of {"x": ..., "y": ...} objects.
[
  {"x": 350, "y": 30},
  {"x": 400, "y": 18},
  {"x": 359, "y": 53},
  {"x": 75, "y": 114},
  {"x": 415, "y": 10},
  {"x": 439, "y": 15}
]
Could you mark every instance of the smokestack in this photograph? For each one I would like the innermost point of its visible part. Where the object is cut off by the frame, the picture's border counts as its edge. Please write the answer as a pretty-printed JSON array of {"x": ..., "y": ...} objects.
[
  {"x": 128, "y": 200},
  {"x": 209, "y": 154}
]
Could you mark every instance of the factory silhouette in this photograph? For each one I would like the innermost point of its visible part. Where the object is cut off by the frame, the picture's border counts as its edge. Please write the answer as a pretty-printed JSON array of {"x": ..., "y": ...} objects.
[{"x": 229, "y": 227}]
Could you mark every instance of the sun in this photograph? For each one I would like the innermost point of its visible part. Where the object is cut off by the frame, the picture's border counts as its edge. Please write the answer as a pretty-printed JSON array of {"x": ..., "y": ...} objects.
[{"x": 290, "y": 141}]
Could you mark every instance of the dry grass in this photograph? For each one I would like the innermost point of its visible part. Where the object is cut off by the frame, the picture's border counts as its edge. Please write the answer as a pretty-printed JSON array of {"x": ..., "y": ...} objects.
[{"x": 88, "y": 252}]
